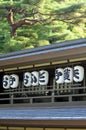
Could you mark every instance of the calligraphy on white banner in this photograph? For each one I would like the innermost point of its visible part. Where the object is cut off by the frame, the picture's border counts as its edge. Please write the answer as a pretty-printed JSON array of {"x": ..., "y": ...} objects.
[
  {"x": 34, "y": 78},
  {"x": 68, "y": 74}
]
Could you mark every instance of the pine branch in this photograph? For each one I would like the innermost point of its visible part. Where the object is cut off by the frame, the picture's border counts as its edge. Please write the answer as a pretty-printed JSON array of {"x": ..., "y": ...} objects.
[{"x": 16, "y": 25}]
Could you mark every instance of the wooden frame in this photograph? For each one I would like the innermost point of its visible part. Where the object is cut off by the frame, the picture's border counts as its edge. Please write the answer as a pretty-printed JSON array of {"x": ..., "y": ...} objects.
[
  {"x": 43, "y": 123},
  {"x": 56, "y": 54}
]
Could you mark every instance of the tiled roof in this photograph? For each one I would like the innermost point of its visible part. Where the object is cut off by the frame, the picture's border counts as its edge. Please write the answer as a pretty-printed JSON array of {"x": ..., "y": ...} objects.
[
  {"x": 44, "y": 49},
  {"x": 48, "y": 113}
]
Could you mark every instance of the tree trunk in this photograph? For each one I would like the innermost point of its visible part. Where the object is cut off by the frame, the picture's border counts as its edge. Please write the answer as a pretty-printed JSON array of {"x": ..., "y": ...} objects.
[{"x": 16, "y": 25}]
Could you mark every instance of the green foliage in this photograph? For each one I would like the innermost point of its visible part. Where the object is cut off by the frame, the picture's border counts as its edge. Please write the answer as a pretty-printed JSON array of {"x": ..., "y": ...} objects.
[{"x": 59, "y": 20}]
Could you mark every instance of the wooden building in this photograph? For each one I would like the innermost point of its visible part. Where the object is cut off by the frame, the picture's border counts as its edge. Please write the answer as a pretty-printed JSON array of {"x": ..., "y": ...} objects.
[{"x": 53, "y": 75}]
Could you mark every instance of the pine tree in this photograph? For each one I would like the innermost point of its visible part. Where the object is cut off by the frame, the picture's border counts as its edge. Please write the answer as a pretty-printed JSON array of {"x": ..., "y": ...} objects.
[{"x": 32, "y": 23}]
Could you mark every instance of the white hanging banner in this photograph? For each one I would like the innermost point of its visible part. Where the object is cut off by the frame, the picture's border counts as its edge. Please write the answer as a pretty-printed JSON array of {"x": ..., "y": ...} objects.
[
  {"x": 14, "y": 81},
  {"x": 6, "y": 84},
  {"x": 43, "y": 77},
  {"x": 59, "y": 75},
  {"x": 68, "y": 75},
  {"x": 78, "y": 73},
  {"x": 27, "y": 79},
  {"x": 35, "y": 78}
]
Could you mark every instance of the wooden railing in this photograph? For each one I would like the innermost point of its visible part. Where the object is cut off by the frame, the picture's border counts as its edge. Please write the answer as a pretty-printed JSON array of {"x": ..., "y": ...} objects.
[{"x": 44, "y": 96}]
